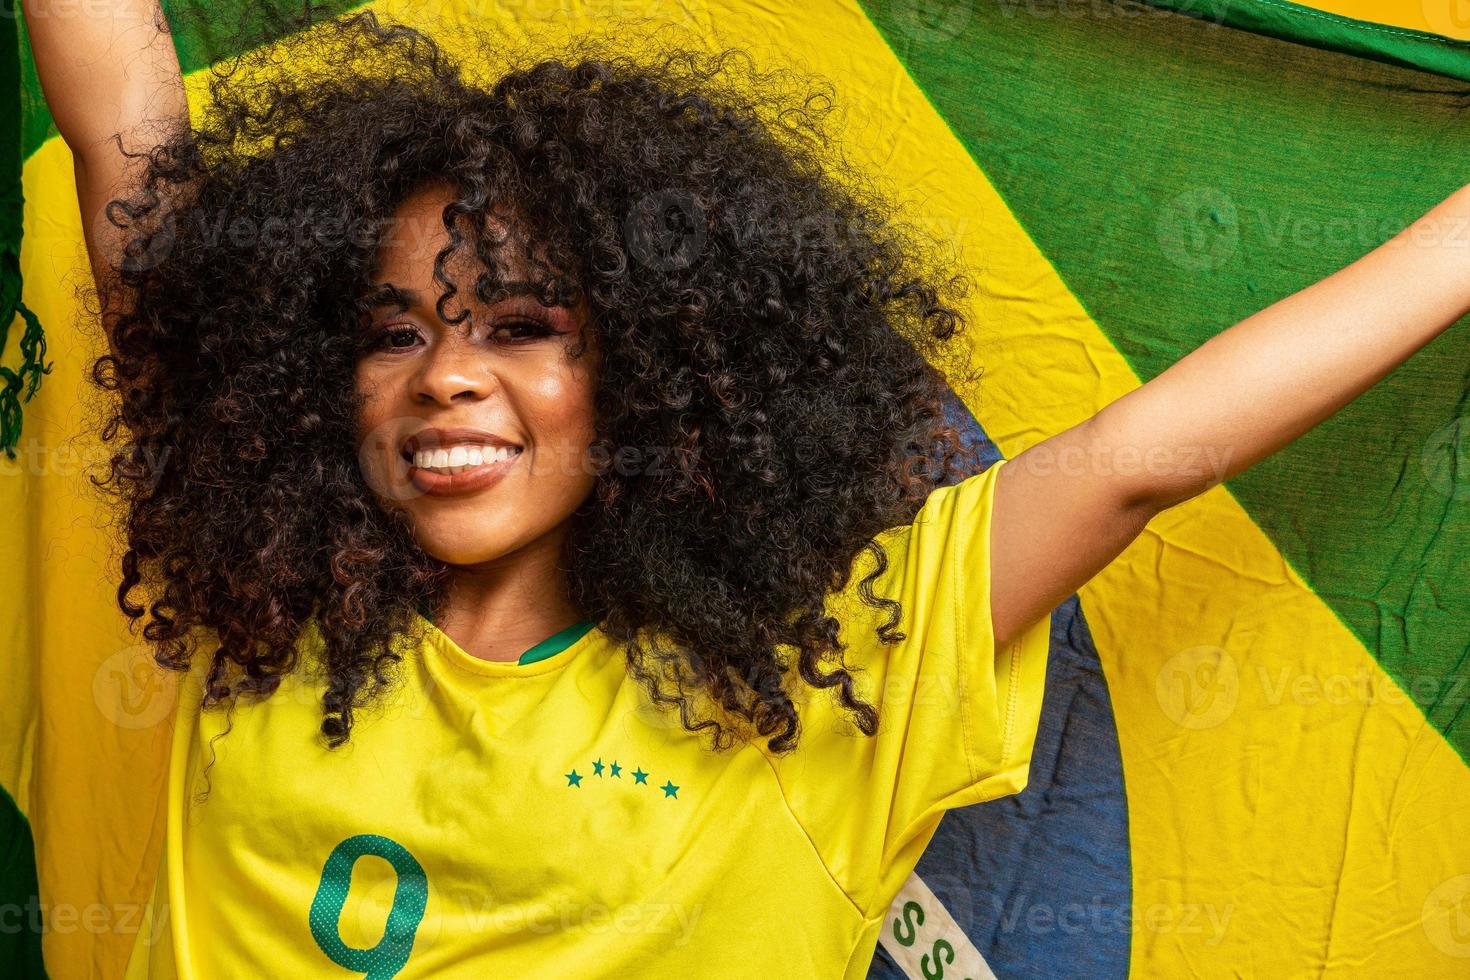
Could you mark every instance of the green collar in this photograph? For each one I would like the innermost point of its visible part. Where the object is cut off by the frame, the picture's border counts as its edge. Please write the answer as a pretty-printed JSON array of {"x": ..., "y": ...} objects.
[
  {"x": 555, "y": 644},
  {"x": 548, "y": 647}
]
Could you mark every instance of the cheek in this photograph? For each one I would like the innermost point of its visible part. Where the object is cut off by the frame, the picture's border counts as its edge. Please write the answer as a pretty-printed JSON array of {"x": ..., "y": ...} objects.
[
  {"x": 370, "y": 391},
  {"x": 565, "y": 405},
  {"x": 367, "y": 382}
]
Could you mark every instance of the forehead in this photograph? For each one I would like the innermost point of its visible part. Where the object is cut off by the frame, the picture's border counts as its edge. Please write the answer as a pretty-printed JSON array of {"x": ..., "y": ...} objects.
[
  {"x": 403, "y": 275},
  {"x": 415, "y": 235}
]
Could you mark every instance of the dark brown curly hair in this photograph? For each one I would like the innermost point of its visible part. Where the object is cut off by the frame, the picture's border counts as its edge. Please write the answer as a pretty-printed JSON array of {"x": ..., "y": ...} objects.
[{"x": 761, "y": 306}]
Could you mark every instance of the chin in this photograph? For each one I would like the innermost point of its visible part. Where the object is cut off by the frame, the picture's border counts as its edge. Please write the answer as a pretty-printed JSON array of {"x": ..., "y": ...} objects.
[
  {"x": 484, "y": 533},
  {"x": 458, "y": 551},
  {"x": 453, "y": 542}
]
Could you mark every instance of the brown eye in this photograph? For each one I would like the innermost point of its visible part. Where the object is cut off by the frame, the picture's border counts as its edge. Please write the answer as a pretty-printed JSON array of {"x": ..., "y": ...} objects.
[
  {"x": 520, "y": 331},
  {"x": 384, "y": 340}
]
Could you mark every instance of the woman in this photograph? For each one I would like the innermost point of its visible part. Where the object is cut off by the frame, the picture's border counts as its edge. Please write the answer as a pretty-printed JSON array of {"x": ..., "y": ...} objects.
[{"x": 556, "y": 508}]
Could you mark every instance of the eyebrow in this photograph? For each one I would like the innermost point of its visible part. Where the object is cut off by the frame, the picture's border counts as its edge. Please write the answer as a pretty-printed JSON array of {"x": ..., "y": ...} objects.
[{"x": 385, "y": 294}]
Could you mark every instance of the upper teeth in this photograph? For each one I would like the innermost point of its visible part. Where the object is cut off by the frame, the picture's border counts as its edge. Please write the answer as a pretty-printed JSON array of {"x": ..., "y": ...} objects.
[{"x": 469, "y": 455}]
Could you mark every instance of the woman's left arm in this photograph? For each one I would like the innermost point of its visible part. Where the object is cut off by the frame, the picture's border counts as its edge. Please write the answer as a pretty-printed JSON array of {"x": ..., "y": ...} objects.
[{"x": 1067, "y": 506}]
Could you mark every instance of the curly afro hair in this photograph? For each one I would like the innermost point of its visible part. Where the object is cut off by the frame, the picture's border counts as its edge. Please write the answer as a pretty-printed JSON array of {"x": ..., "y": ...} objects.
[{"x": 762, "y": 309}]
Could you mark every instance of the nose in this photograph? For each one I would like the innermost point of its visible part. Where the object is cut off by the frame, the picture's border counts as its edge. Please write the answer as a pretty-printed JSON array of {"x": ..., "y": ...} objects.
[{"x": 454, "y": 369}]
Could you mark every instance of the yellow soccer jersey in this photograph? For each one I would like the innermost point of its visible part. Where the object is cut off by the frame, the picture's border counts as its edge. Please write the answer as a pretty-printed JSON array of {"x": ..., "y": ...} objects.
[{"x": 499, "y": 819}]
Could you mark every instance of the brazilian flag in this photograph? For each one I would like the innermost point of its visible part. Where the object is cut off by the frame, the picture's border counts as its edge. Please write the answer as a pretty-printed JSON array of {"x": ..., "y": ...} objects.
[{"x": 1253, "y": 754}]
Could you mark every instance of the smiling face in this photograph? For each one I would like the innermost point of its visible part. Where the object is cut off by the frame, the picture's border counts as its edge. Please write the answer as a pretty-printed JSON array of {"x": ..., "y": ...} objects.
[{"x": 500, "y": 384}]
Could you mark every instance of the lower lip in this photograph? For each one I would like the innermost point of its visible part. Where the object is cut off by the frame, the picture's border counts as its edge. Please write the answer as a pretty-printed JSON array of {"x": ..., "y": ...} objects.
[{"x": 465, "y": 481}]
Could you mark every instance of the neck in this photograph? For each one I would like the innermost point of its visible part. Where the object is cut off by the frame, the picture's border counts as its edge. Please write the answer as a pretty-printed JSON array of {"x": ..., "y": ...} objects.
[{"x": 497, "y": 610}]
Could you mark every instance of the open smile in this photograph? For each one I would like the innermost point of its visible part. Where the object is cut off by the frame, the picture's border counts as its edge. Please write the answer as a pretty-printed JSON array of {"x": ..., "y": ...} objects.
[
  {"x": 455, "y": 461},
  {"x": 460, "y": 469}
]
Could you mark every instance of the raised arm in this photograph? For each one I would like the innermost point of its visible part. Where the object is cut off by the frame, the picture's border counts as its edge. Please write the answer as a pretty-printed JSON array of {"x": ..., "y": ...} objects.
[
  {"x": 1069, "y": 505},
  {"x": 108, "y": 71}
]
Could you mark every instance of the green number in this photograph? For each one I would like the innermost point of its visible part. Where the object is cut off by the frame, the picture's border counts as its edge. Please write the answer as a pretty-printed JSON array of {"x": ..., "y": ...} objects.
[{"x": 409, "y": 899}]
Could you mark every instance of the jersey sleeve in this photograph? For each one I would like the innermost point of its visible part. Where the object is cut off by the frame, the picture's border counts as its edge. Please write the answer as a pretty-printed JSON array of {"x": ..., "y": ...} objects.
[{"x": 957, "y": 718}]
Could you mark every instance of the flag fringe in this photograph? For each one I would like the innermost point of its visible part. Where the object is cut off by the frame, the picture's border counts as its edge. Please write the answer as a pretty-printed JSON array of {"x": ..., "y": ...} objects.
[{"x": 19, "y": 385}]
